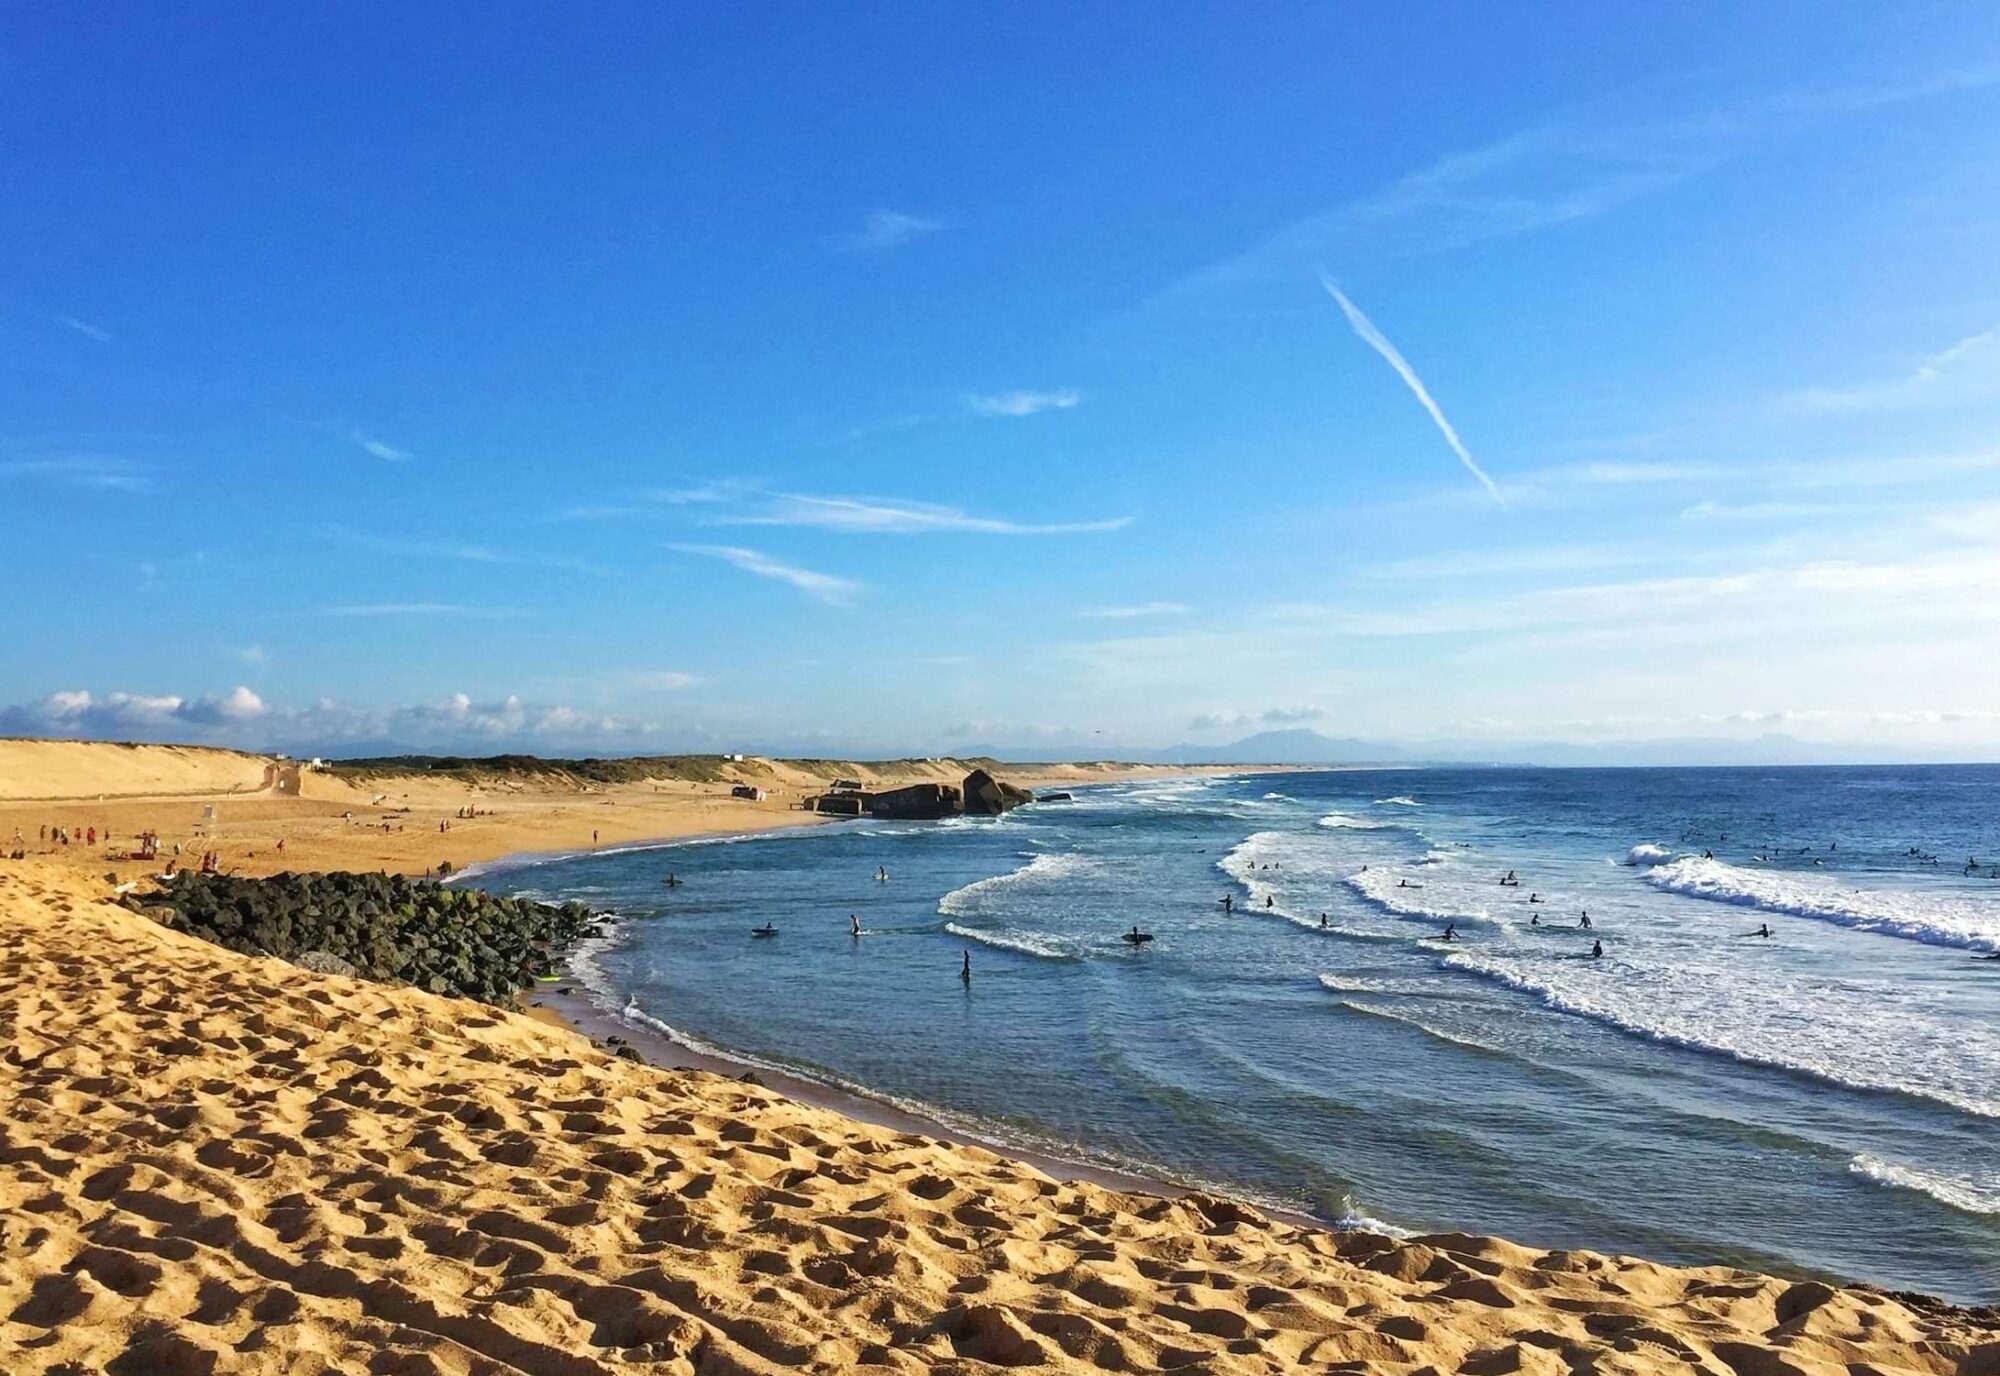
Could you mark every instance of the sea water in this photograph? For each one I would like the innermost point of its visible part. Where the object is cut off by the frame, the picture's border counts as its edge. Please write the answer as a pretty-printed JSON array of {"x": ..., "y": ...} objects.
[{"x": 1825, "y": 1100}]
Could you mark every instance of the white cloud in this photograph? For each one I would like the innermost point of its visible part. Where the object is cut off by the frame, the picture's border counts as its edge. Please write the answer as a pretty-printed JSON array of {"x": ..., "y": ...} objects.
[
  {"x": 380, "y": 449},
  {"x": 253, "y": 654},
  {"x": 456, "y": 722},
  {"x": 824, "y": 586},
  {"x": 84, "y": 328},
  {"x": 1270, "y": 716},
  {"x": 888, "y": 516},
  {"x": 1134, "y": 611},
  {"x": 1023, "y": 403},
  {"x": 1554, "y": 174},
  {"x": 1379, "y": 342},
  {"x": 891, "y": 229},
  {"x": 658, "y": 680},
  {"x": 1971, "y": 367},
  {"x": 81, "y": 470}
]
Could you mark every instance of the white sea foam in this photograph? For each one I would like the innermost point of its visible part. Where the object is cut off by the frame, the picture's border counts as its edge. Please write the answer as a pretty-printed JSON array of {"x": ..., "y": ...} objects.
[
  {"x": 1434, "y": 896},
  {"x": 1940, "y": 920},
  {"x": 1979, "y": 1195},
  {"x": 1646, "y": 853},
  {"x": 1341, "y": 821},
  {"x": 1789, "y": 1026},
  {"x": 973, "y": 897},
  {"x": 1045, "y": 945},
  {"x": 1362, "y": 984},
  {"x": 1376, "y": 1010},
  {"x": 1398, "y": 801}
]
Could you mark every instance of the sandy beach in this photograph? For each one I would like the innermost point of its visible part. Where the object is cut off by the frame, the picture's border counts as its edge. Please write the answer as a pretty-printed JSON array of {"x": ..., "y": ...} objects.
[
  {"x": 392, "y": 822},
  {"x": 212, "y": 1162}
]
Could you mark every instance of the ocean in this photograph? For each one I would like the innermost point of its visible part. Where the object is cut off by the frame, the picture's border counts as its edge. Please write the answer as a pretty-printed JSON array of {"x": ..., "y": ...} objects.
[{"x": 1825, "y": 1100}]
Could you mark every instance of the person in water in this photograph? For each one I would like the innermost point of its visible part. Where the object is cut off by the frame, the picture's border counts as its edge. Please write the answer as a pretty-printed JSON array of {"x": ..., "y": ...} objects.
[
  {"x": 1269, "y": 900},
  {"x": 1535, "y": 921},
  {"x": 854, "y": 924},
  {"x": 1450, "y": 931},
  {"x": 1763, "y": 929},
  {"x": 1596, "y": 950},
  {"x": 1586, "y": 920},
  {"x": 965, "y": 970},
  {"x": 881, "y": 874},
  {"x": 1228, "y": 903},
  {"x": 1534, "y": 898},
  {"x": 1322, "y": 922}
]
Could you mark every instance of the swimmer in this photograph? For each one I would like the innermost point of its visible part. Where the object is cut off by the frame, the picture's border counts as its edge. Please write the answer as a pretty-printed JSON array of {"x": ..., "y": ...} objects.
[
  {"x": 965, "y": 970},
  {"x": 1596, "y": 950}
]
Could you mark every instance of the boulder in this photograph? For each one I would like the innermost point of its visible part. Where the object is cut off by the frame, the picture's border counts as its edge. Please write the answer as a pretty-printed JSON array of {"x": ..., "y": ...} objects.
[{"x": 989, "y": 797}]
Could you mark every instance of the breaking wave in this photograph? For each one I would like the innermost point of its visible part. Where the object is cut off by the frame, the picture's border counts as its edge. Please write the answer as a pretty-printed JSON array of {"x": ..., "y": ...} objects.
[
  {"x": 1979, "y": 1196},
  {"x": 1938, "y": 921}
]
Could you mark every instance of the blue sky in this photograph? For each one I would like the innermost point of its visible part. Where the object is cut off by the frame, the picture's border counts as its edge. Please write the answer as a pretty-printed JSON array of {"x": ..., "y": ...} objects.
[{"x": 919, "y": 378}]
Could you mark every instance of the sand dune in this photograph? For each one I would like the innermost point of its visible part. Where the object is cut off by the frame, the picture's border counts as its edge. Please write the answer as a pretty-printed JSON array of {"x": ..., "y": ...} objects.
[
  {"x": 99, "y": 769},
  {"x": 213, "y": 1163}
]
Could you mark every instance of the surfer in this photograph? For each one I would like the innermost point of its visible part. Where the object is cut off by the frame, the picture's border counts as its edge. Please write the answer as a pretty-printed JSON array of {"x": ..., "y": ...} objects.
[
  {"x": 1136, "y": 937},
  {"x": 1269, "y": 900},
  {"x": 1450, "y": 932},
  {"x": 1586, "y": 920},
  {"x": 881, "y": 874},
  {"x": 1322, "y": 922},
  {"x": 965, "y": 970},
  {"x": 1535, "y": 921},
  {"x": 1534, "y": 898},
  {"x": 766, "y": 930},
  {"x": 671, "y": 881},
  {"x": 1708, "y": 855},
  {"x": 1228, "y": 904},
  {"x": 854, "y": 925},
  {"x": 1596, "y": 950},
  {"x": 1763, "y": 930}
]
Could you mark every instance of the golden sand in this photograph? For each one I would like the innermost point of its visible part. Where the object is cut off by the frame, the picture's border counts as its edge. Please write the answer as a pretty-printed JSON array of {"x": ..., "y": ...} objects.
[{"x": 216, "y": 1163}]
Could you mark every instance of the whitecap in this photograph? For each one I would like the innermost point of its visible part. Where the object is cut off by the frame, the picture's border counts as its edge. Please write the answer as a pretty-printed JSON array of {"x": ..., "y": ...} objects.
[
  {"x": 1936, "y": 919},
  {"x": 1044, "y": 945},
  {"x": 1980, "y": 1195}
]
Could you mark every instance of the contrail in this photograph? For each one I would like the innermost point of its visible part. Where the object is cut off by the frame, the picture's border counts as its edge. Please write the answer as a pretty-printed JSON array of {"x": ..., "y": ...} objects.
[{"x": 1379, "y": 342}]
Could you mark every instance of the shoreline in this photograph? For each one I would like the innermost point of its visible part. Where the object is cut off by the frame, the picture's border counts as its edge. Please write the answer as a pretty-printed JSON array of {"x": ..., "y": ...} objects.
[
  {"x": 568, "y": 1003},
  {"x": 219, "y": 1161}
]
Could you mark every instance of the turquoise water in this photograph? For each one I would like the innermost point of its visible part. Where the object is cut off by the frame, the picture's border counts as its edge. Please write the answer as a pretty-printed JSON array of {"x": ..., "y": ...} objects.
[{"x": 1824, "y": 1100}]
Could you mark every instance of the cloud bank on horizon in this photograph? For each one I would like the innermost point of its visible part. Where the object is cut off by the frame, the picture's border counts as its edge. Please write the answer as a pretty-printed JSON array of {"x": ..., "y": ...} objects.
[{"x": 989, "y": 415}]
